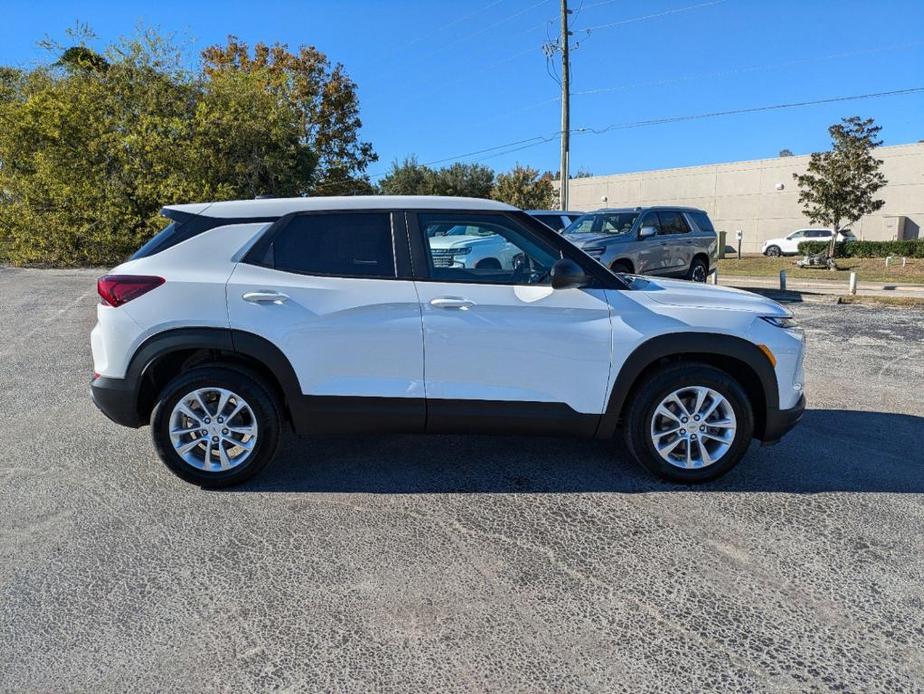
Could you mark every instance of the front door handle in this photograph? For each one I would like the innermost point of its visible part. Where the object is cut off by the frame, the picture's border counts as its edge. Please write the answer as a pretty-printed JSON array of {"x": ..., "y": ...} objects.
[
  {"x": 265, "y": 297},
  {"x": 452, "y": 302}
]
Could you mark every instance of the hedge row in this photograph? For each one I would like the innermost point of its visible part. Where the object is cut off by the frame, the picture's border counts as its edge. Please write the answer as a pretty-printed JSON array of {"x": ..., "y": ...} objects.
[{"x": 866, "y": 249}]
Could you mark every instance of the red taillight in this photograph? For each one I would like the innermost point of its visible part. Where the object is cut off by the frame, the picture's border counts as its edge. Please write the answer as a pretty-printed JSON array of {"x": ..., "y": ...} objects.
[{"x": 116, "y": 290}]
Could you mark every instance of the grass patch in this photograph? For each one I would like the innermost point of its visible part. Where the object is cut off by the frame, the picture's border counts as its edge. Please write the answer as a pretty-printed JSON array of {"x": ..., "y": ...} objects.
[
  {"x": 867, "y": 269},
  {"x": 904, "y": 301}
]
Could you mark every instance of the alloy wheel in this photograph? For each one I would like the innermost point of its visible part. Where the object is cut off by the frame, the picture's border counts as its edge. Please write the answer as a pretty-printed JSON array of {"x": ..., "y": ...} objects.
[
  {"x": 213, "y": 429},
  {"x": 693, "y": 427}
]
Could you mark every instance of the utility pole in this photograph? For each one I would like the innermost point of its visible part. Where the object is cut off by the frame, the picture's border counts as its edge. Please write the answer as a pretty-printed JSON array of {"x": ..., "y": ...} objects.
[{"x": 565, "y": 107}]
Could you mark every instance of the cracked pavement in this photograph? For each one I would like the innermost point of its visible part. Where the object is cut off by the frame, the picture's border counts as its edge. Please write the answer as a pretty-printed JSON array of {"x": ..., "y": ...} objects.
[{"x": 450, "y": 563}]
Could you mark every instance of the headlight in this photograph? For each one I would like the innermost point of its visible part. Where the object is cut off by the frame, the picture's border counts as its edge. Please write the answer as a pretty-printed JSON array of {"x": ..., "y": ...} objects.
[{"x": 785, "y": 322}]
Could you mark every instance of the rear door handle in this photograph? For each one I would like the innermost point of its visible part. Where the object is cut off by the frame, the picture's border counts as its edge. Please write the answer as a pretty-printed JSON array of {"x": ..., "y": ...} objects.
[
  {"x": 265, "y": 297},
  {"x": 451, "y": 302}
]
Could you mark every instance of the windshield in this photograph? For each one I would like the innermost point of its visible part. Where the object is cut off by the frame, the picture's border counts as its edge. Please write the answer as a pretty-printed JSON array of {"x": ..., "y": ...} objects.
[{"x": 603, "y": 223}]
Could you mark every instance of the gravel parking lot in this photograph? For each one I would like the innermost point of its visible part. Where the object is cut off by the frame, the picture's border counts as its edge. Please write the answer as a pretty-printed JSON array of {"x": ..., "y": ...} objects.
[{"x": 443, "y": 563}]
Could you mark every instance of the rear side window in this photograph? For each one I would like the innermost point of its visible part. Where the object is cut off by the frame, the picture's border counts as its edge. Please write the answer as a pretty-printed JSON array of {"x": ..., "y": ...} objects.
[
  {"x": 701, "y": 220},
  {"x": 673, "y": 223},
  {"x": 338, "y": 244}
]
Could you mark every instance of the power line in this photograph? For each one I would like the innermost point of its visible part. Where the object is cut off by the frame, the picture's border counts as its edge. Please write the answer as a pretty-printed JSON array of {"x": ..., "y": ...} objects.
[
  {"x": 526, "y": 143},
  {"x": 755, "y": 109},
  {"x": 487, "y": 28},
  {"x": 427, "y": 35},
  {"x": 676, "y": 10},
  {"x": 704, "y": 75}
]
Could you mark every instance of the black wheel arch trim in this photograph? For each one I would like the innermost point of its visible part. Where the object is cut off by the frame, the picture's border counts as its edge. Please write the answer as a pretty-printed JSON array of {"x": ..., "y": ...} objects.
[
  {"x": 674, "y": 345},
  {"x": 120, "y": 399}
]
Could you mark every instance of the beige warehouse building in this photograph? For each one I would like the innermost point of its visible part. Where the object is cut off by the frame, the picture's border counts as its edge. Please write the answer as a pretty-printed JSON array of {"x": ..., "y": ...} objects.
[{"x": 761, "y": 197}]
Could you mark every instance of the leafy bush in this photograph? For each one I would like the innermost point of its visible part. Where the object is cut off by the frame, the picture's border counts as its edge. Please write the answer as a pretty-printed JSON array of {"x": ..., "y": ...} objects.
[
  {"x": 94, "y": 144},
  {"x": 866, "y": 249}
]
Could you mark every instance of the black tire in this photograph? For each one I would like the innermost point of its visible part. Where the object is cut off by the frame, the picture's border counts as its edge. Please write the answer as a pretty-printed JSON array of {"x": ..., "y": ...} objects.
[
  {"x": 699, "y": 270},
  {"x": 261, "y": 402},
  {"x": 773, "y": 252},
  {"x": 621, "y": 266},
  {"x": 488, "y": 264},
  {"x": 654, "y": 389}
]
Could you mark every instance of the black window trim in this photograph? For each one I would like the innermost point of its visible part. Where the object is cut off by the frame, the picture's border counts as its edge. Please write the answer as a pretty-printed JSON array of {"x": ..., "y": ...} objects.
[
  {"x": 528, "y": 225},
  {"x": 400, "y": 257},
  {"x": 202, "y": 222}
]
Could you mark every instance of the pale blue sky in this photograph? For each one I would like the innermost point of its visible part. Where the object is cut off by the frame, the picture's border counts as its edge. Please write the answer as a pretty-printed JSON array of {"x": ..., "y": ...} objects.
[{"x": 440, "y": 79}]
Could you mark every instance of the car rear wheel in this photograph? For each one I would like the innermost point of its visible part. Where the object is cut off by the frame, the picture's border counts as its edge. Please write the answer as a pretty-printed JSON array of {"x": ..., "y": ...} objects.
[
  {"x": 215, "y": 426},
  {"x": 773, "y": 251},
  {"x": 689, "y": 423},
  {"x": 698, "y": 270}
]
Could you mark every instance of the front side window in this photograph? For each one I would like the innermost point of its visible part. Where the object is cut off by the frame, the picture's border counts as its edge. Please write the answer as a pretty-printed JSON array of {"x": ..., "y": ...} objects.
[
  {"x": 336, "y": 244},
  {"x": 797, "y": 235},
  {"x": 491, "y": 251},
  {"x": 673, "y": 223},
  {"x": 651, "y": 220}
]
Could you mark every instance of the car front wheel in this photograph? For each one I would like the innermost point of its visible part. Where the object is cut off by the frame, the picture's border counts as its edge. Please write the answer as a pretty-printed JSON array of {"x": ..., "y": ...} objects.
[
  {"x": 689, "y": 423},
  {"x": 215, "y": 426},
  {"x": 773, "y": 251}
]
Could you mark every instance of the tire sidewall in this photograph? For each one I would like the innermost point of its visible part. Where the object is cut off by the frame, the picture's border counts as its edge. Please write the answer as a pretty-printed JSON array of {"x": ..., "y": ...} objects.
[
  {"x": 660, "y": 386},
  {"x": 695, "y": 264},
  {"x": 261, "y": 403},
  {"x": 774, "y": 252}
]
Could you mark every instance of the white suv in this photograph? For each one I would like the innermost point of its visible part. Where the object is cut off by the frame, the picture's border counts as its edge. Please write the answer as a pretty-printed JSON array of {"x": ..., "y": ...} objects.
[
  {"x": 789, "y": 245},
  {"x": 338, "y": 315}
]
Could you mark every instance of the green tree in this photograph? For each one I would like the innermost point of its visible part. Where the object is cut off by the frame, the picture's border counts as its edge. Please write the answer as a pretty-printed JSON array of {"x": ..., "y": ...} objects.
[
  {"x": 405, "y": 178},
  {"x": 841, "y": 184},
  {"x": 325, "y": 99},
  {"x": 92, "y": 145},
  {"x": 523, "y": 187},
  {"x": 460, "y": 180}
]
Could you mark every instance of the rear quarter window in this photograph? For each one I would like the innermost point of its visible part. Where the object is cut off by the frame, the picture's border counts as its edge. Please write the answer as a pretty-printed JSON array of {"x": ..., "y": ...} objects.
[
  {"x": 184, "y": 226},
  {"x": 702, "y": 221}
]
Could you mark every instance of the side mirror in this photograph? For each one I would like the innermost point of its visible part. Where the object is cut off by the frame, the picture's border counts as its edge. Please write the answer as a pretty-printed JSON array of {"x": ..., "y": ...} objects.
[
  {"x": 647, "y": 232},
  {"x": 567, "y": 274}
]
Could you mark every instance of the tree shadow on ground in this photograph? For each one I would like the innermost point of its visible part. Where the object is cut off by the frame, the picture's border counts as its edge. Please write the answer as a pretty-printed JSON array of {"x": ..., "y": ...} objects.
[{"x": 829, "y": 451}]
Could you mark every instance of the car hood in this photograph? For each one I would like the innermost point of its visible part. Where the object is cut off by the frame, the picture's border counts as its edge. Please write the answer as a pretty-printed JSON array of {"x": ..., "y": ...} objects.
[
  {"x": 453, "y": 241},
  {"x": 697, "y": 295},
  {"x": 591, "y": 239}
]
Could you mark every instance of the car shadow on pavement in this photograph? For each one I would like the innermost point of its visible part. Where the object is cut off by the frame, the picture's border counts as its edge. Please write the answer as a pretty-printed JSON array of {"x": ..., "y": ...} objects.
[{"x": 830, "y": 451}]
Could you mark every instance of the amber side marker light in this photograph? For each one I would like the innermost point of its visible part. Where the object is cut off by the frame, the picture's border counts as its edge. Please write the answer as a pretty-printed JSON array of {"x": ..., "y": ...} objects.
[{"x": 768, "y": 354}]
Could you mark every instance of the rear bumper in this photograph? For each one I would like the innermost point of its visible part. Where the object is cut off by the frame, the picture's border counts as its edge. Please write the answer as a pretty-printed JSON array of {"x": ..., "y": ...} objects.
[
  {"x": 117, "y": 399},
  {"x": 779, "y": 422}
]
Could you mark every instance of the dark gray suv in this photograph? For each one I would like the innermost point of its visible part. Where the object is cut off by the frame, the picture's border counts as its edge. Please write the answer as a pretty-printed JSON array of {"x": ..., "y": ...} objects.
[{"x": 672, "y": 241}]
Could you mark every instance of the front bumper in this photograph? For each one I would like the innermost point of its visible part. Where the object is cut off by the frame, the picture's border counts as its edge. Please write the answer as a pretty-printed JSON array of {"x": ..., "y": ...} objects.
[
  {"x": 779, "y": 422},
  {"x": 117, "y": 399}
]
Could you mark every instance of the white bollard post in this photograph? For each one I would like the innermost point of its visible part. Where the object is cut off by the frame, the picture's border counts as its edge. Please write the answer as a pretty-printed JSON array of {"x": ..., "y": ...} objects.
[
  {"x": 714, "y": 277},
  {"x": 853, "y": 283},
  {"x": 782, "y": 280},
  {"x": 903, "y": 261},
  {"x": 888, "y": 258}
]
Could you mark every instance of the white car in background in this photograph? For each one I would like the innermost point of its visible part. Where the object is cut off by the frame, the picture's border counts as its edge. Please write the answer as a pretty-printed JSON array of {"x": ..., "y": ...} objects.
[
  {"x": 789, "y": 245},
  {"x": 474, "y": 247}
]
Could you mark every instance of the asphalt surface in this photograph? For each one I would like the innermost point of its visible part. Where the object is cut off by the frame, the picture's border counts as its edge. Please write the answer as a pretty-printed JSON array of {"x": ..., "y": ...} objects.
[{"x": 442, "y": 563}]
